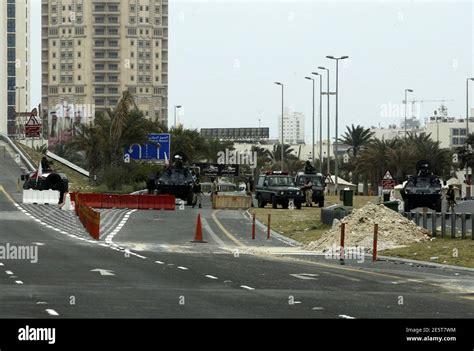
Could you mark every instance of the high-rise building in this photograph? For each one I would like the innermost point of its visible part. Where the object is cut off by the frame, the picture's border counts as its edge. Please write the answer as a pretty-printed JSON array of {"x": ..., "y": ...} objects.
[
  {"x": 94, "y": 50},
  {"x": 15, "y": 69},
  {"x": 293, "y": 127}
]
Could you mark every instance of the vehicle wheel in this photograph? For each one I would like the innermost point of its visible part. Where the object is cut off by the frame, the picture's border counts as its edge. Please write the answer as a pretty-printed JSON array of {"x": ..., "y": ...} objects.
[
  {"x": 285, "y": 204},
  {"x": 261, "y": 203},
  {"x": 298, "y": 205},
  {"x": 274, "y": 202},
  {"x": 321, "y": 203}
]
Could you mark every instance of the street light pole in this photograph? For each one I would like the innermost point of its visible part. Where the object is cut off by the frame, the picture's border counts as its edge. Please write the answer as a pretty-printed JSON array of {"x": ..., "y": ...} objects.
[
  {"x": 337, "y": 114},
  {"x": 406, "y": 105},
  {"x": 320, "y": 121},
  {"x": 467, "y": 128},
  {"x": 175, "y": 108},
  {"x": 329, "y": 124},
  {"x": 312, "y": 150},
  {"x": 282, "y": 120}
]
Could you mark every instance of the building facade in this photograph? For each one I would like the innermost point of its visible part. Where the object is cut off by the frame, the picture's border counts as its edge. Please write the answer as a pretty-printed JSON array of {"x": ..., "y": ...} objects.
[
  {"x": 293, "y": 127},
  {"x": 15, "y": 69},
  {"x": 94, "y": 50}
]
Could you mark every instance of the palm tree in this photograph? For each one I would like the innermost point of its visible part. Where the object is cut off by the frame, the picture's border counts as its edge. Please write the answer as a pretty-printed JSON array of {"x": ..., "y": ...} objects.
[
  {"x": 357, "y": 137},
  {"x": 275, "y": 154}
]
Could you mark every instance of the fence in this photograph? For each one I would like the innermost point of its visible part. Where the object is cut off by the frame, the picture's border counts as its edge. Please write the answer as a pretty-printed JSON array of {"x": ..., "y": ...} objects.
[{"x": 457, "y": 223}]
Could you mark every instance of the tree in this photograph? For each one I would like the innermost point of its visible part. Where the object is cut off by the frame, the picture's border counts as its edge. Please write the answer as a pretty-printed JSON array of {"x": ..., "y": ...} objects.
[{"x": 357, "y": 137}]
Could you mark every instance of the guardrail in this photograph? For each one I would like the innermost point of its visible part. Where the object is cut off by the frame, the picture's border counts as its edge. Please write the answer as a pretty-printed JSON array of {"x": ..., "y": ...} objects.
[{"x": 25, "y": 160}]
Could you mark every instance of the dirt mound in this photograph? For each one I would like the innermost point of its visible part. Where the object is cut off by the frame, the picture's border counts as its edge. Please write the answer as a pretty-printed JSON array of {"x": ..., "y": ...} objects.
[{"x": 394, "y": 230}]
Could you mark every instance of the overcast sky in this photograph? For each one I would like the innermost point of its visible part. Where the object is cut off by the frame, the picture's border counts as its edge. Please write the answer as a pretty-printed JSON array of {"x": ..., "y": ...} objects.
[{"x": 225, "y": 55}]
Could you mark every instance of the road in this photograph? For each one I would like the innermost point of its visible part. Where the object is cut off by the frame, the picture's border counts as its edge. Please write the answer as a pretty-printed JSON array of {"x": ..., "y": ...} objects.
[{"x": 145, "y": 265}]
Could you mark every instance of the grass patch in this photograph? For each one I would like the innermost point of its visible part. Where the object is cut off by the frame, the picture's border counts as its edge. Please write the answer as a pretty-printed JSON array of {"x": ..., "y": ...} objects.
[{"x": 444, "y": 249}]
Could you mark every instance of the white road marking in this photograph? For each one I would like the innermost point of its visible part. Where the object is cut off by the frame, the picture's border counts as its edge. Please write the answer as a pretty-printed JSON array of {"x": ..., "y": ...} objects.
[
  {"x": 103, "y": 271},
  {"x": 211, "y": 276},
  {"x": 19, "y": 282},
  {"x": 346, "y": 317},
  {"x": 247, "y": 287},
  {"x": 9, "y": 272},
  {"x": 317, "y": 308},
  {"x": 183, "y": 268},
  {"x": 305, "y": 276},
  {"x": 52, "y": 312},
  {"x": 38, "y": 244},
  {"x": 159, "y": 262},
  {"x": 1, "y": 264},
  {"x": 41, "y": 303}
]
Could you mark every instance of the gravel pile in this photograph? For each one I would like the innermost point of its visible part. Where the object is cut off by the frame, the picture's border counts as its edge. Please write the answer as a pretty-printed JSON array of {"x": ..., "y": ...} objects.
[{"x": 394, "y": 230}]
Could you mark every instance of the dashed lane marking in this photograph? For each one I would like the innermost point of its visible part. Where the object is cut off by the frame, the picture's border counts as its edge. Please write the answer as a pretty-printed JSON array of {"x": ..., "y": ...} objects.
[
  {"x": 346, "y": 316},
  {"x": 19, "y": 282},
  {"x": 211, "y": 276},
  {"x": 247, "y": 287},
  {"x": 52, "y": 312},
  {"x": 183, "y": 268}
]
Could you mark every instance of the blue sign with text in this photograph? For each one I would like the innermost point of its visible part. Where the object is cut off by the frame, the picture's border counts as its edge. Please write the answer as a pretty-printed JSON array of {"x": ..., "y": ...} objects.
[{"x": 157, "y": 148}]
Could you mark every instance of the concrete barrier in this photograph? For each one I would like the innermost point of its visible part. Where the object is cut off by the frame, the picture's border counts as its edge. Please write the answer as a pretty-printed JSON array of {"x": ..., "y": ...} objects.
[
  {"x": 50, "y": 197},
  {"x": 226, "y": 202}
]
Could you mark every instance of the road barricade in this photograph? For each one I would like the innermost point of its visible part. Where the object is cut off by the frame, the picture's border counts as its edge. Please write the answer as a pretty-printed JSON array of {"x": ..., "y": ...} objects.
[
  {"x": 50, "y": 197},
  {"x": 133, "y": 202},
  {"x": 89, "y": 218},
  {"x": 231, "y": 202}
]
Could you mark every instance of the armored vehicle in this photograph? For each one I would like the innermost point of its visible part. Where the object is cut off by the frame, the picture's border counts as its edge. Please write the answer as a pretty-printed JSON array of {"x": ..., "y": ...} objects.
[
  {"x": 318, "y": 180},
  {"x": 422, "y": 189},
  {"x": 278, "y": 188},
  {"x": 176, "y": 180}
]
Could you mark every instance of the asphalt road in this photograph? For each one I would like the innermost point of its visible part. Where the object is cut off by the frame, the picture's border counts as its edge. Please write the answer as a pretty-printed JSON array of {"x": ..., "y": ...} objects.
[{"x": 147, "y": 266}]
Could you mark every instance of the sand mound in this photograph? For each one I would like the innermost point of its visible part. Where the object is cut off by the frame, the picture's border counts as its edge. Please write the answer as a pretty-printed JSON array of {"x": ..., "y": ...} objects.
[{"x": 394, "y": 230}]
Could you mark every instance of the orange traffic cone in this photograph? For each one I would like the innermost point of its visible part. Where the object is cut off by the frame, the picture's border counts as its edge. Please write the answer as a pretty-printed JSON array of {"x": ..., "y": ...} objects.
[{"x": 198, "y": 236}]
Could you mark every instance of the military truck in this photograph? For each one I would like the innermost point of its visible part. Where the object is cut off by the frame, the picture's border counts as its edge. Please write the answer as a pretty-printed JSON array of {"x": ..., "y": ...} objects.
[
  {"x": 422, "y": 189},
  {"x": 176, "y": 180},
  {"x": 278, "y": 188},
  {"x": 318, "y": 180}
]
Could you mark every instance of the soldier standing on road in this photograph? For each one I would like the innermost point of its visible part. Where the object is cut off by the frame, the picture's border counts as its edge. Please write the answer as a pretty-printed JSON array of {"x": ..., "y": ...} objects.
[
  {"x": 451, "y": 198},
  {"x": 214, "y": 188},
  {"x": 308, "y": 191},
  {"x": 249, "y": 189},
  {"x": 197, "y": 194}
]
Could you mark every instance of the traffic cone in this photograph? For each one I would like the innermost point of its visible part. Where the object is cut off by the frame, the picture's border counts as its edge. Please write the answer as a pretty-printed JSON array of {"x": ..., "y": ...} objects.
[{"x": 198, "y": 235}]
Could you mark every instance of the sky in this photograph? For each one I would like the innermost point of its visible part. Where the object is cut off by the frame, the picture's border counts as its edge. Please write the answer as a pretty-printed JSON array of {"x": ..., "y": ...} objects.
[{"x": 226, "y": 55}]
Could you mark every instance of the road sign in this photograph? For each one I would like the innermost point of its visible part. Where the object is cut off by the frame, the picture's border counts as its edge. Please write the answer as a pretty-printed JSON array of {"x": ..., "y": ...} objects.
[
  {"x": 158, "y": 148},
  {"x": 388, "y": 184},
  {"x": 387, "y": 175},
  {"x": 33, "y": 126}
]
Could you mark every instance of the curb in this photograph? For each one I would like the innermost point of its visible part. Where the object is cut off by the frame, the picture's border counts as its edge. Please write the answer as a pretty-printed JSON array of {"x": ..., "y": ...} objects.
[{"x": 425, "y": 263}]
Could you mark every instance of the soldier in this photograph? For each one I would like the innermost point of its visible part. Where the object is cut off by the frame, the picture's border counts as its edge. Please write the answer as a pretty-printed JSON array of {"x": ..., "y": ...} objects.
[
  {"x": 451, "y": 198},
  {"x": 308, "y": 191},
  {"x": 197, "y": 193}
]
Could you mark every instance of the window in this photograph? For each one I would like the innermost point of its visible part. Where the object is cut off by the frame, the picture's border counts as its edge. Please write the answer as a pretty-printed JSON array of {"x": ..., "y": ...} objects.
[
  {"x": 11, "y": 40},
  {"x": 11, "y": 55}
]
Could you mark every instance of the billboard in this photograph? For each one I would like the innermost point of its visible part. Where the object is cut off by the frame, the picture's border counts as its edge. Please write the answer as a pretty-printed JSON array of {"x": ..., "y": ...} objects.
[
  {"x": 235, "y": 133},
  {"x": 218, "y": 170}
]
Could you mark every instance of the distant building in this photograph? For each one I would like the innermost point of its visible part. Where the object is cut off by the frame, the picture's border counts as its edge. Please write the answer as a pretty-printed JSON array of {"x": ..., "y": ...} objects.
[
  {"x": 449, "y": 131},
  {"x": 293, "y": 127},
  {"x": 236, "y": 134},
  {"x": 15, "y": 63},
  {"x": 93, "y": 51}
]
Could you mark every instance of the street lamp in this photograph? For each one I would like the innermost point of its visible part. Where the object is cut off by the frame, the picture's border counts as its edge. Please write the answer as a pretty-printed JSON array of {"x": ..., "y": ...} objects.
[
  {"x": 320, "y": 120},
  {"x": 467, "y": 127},
  {"x": 312, "y": 152},
  {"x": 337, "y": 113},
  {"x": 406, "y": 104},
  {"x": 329, "y": 123},
  {"x": 176, "y": 107},
  {"x": 19, "y": 106},
  {"x": 282, "y": 112}
]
